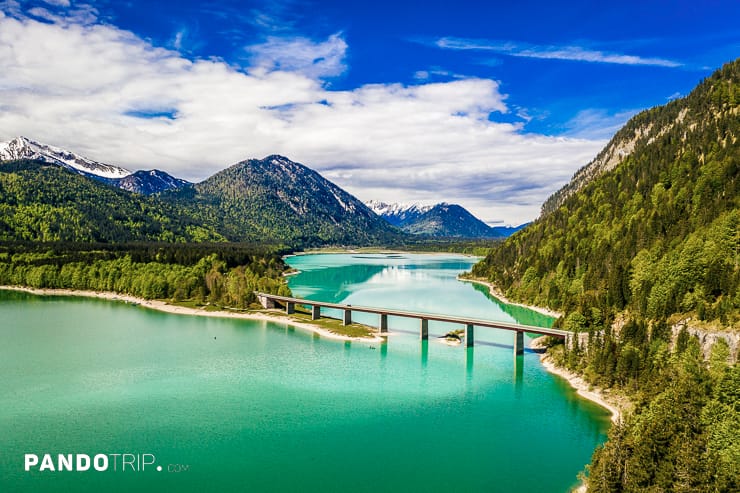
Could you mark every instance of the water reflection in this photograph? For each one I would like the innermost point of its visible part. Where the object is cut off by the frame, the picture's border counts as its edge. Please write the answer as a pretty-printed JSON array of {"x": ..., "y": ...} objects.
[
  {"x": 518, "y": 374},
  {"x": 469, "y": 362},
  {"x": 522, "y": 315}
]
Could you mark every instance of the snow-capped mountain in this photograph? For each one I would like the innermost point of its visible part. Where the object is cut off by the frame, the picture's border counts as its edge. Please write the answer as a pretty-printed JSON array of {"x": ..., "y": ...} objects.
[
  {"x": 143, "y": 182},
  {"x": 440, "y": 220},
  {"x": 398, "y": 214},
  {"x": 149, "y": 182},
  {"x": 24, "y": 148}
]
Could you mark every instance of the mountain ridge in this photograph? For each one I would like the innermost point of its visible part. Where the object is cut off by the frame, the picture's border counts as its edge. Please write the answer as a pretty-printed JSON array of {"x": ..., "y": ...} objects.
[
  {"x": 438, "y": 220},
  {"x": 146, "y": 182},
  {"x": 25, "y": 148},
  {"x": 293, "y": 199}
]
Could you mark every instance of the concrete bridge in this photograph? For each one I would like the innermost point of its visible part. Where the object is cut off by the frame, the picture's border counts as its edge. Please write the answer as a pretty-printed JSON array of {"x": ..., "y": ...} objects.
[{"x": 288, "y": 303}]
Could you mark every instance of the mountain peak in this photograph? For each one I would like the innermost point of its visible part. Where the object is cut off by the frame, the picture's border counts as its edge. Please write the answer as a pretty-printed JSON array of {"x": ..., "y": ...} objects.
[
  {"x": 441, "y": 220},
  {"x": 24, "y": 148}
]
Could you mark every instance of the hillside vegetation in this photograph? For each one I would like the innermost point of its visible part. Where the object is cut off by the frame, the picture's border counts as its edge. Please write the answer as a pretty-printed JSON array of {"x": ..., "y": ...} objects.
[
  {"x": 221, "y": 275},
  {"x": 657, "y": 235},
  {"x": 279, "y": 201},
  {"x": 649, "y": 237},
  {"x": 44, "y": 202}
]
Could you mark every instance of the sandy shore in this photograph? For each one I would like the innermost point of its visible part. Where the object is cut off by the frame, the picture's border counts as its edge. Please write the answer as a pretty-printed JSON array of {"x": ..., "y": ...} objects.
[
  {"x": 583, "y": 388},
  {"x": 183, "y": 310},
  {"x": 500, "y": 296}
]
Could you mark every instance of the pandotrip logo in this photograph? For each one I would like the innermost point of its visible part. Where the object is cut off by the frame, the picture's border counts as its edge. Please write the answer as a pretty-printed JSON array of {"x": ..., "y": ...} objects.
[{"x": 118, "y": 462}]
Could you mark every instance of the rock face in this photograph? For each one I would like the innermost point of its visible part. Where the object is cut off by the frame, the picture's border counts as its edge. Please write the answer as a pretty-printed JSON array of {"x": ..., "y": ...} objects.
[
  {"x": 707, "y": 339},
  {"x": 637, "y": 133}
]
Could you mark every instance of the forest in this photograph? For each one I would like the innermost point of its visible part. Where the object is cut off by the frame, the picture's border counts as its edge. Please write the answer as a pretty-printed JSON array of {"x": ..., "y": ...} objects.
[
  {"x": 222, "y": 276},
  {"x": 634, "y": 258}
]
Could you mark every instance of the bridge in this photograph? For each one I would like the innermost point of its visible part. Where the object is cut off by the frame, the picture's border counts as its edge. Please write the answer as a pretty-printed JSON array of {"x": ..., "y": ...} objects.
[{"x": 270, "y": 301}]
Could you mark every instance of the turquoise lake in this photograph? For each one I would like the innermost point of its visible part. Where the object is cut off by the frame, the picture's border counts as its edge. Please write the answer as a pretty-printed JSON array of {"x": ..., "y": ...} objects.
[{"x": 255, "y": 406}]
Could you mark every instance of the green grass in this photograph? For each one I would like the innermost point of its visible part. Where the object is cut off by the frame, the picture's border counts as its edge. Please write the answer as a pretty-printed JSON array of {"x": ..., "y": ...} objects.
[{"x": 334, "y": 325}]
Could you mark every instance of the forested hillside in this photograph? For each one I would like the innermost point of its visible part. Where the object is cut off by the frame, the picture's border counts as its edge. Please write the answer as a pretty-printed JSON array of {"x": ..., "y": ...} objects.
[
  {"x": 632, "y": 252},
  {"x": 658, "y": 234},
  {"x": 44, "y": 202},
  {"x": 270, "y": 201},
  {"x": 276, "y": 200}
]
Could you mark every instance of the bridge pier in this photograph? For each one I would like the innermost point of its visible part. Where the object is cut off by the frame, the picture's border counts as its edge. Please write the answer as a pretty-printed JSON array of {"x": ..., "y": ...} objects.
[
  {"x": 424, "y": 329},
  {"x": 383, "y": 323},
  {"x": 266, "y": 302},
  {"x": 519, "y": 342},
  {"x": 315, "y": 312},
  {"x": 347, "y": 319},
  {"x": 469, "y": 337},
  {"x": 289, "y": 307}
]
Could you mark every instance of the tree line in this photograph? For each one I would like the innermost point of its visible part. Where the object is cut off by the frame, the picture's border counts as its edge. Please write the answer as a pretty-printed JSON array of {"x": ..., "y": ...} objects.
[{"x": 226, "y": 277}]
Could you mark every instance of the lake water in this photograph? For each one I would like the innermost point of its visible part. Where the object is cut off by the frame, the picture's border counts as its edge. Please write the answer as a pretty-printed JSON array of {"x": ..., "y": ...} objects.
[{"x": 254, "y": 406}]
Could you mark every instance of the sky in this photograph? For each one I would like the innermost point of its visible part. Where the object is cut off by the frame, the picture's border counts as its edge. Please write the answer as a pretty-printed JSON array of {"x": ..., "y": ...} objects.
[{"x": 492, "y": 105}]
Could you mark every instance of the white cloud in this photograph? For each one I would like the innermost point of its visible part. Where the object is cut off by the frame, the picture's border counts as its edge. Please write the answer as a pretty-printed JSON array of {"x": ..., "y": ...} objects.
[
  {"x": 673, "y": 96},
  {"x": 75, "y": 85},
  {"x": 58, "y": 3},
  {"x": 596, "y": 123},
  {"x": 572, "y": 53},
  {"x": 297, "y": 54}
]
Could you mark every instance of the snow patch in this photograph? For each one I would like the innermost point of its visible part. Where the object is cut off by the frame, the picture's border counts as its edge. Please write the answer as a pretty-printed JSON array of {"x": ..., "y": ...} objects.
[{"x": 24, "y": 148}]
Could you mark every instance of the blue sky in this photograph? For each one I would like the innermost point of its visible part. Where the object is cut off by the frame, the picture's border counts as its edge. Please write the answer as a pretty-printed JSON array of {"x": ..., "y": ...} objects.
[{"x": 493, "y": 105}]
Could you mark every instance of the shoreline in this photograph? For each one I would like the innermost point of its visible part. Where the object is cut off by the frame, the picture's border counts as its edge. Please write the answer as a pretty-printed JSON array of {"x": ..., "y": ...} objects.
[
  {"x": 583, "y": 390},
  {"x": 581, "y": 387},
  {"x": 163, "y": 306},
  {"x": 496, "y": 293}
]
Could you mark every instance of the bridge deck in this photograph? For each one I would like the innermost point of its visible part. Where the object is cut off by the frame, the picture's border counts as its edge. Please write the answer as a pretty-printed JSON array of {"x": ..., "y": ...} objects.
[{"x": 423, "y": 316}]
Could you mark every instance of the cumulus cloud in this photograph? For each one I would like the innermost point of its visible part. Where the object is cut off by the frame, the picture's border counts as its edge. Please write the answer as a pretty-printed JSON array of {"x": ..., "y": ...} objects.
[
  {"x": 114, "y": 97},
  {"x": 572, "y": 53},
  {"x": 313, "y": 59}
]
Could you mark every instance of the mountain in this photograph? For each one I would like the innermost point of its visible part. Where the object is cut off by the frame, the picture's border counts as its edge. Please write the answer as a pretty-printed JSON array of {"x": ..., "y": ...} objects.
[
  {"x": 398, "y": 215},
  {"x": 640, "y": 251},
  {"x": 149, "y": 182},
  {"x": 660, "y": 202},
  {"x": 440, "y": 220},
  {"x": 43, "y": 202},
  {"x": 275, "y": 199},
  {"x": 23, "y": 148},
  {"x": 143, "y": 182},
  {"x": 272, "y": 200},
  {"x": 445, "y": 220}
]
